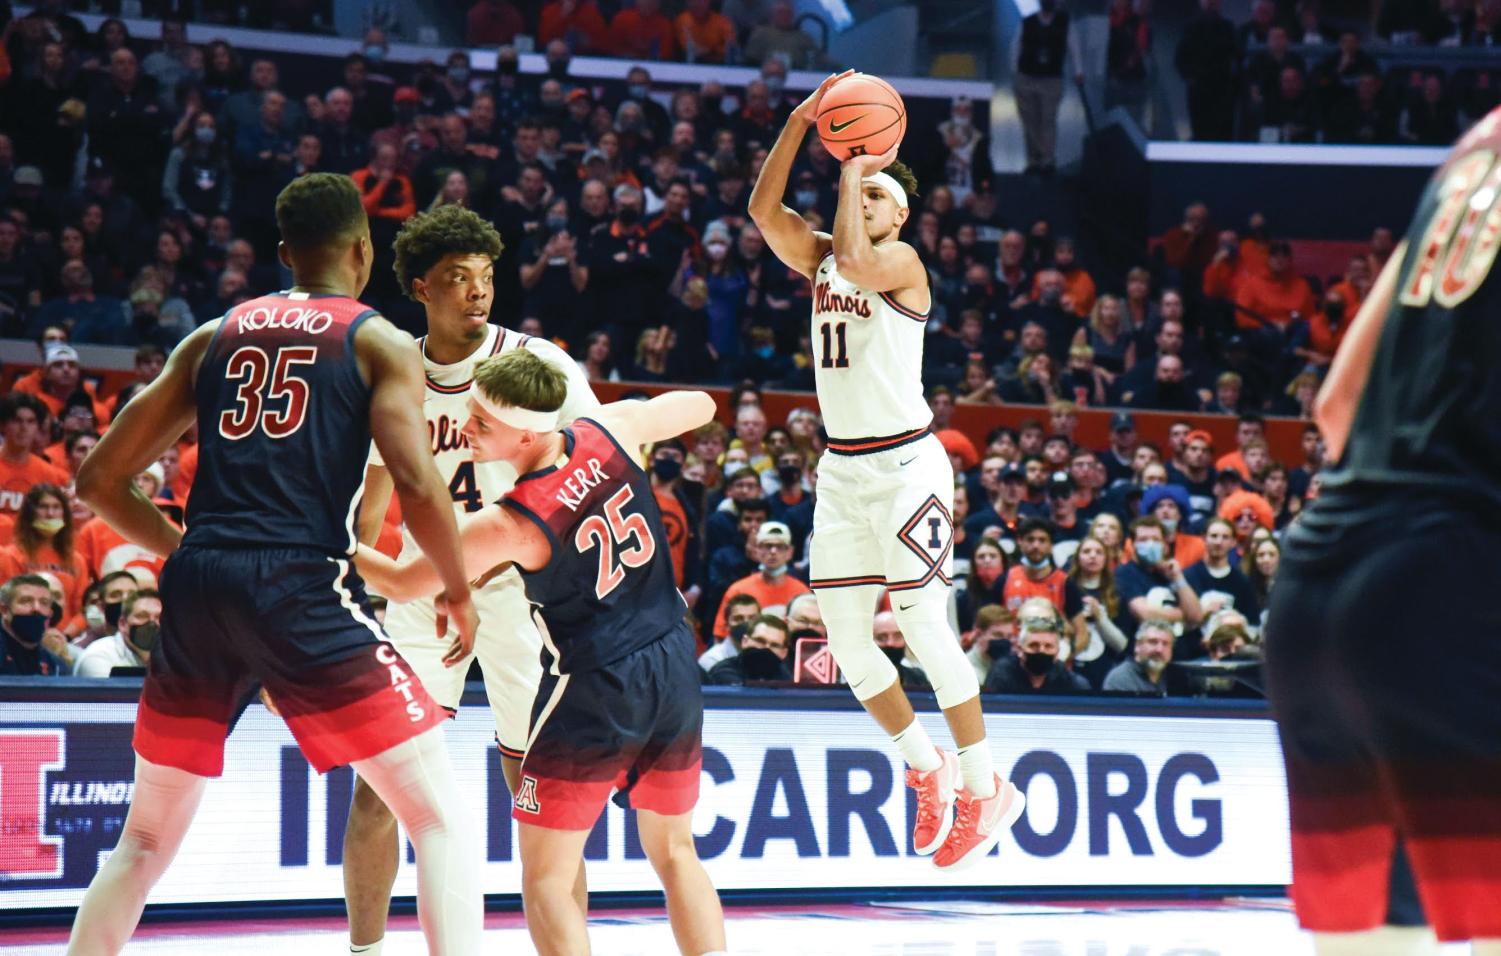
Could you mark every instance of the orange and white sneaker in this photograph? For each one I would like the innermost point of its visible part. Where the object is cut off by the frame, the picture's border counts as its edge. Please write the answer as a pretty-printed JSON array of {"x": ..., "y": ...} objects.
[
  {"x": 978, "y": 825},
  {"x": 936, "y": 790}
]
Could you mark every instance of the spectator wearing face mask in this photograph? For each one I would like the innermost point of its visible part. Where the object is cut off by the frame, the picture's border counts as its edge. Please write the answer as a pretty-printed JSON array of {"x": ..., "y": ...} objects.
[
  {"x": 1035, "y": 667},
  {"x": 1146, "y": 672},
  {"x": 990, "y": 640},
  {"x": 738, "y": 612},
  {"x": 887, "y": 634},
  {"x": 681, "y": 503},
  {"x": 1037, "y": 575},
  {"x": 103, "y": 604},
  {"x": 1169, "y": 504},
  {"x": 985, "y": 583},
  {"x": 771, "y": 584},
  {"x": 764, "y": 653},
  {"x": 28, "y": 647},
  {"x": 131, "y": 645},
  {"x": 43, "y": 543},
  {"x": 1151, "y": 585}
]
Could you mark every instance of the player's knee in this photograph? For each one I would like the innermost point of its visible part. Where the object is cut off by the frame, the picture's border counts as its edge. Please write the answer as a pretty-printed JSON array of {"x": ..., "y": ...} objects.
[
  {"x": 367, "y": 810},
  {"x": 142, "y": 855},
  {"x": 924, "y": 623},
  {"x": 666, "y": 839},
  {"x": 866, "y": 668}
]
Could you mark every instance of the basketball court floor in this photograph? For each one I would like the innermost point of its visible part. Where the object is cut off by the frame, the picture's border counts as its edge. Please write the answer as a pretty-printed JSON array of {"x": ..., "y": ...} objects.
[{"x": 948, "y": 928}]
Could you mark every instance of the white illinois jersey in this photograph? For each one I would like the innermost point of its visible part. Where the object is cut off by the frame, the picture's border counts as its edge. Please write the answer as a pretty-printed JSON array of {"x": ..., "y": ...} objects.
[
  {"x": 867, "y": 361},
  {"x": 508, "y": 646},
  {"x": 472, "y": 484}
]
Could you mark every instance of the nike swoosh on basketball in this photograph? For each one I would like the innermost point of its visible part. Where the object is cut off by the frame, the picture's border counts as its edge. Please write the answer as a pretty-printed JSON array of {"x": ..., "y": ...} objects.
[{"x": 841, "y": 127}]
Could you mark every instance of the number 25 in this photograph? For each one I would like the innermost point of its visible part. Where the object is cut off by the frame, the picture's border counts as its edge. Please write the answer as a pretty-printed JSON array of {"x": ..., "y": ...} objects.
[{"x": 608, "y": 535}]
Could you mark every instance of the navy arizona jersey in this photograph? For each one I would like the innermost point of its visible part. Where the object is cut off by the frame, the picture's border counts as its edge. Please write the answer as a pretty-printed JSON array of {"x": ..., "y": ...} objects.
[
  {"x": 608, "y": 589},
  {"x": 1430, "y": 415},
  {"x": 283, "y": 427}
]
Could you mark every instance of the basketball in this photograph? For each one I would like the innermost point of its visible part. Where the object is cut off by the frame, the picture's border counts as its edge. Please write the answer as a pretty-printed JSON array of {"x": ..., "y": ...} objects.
[{"x": 861, "y": 114}]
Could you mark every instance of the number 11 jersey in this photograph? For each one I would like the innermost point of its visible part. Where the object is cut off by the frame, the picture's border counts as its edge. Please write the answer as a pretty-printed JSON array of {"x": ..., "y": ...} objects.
[{"x": 867, "y": 359}]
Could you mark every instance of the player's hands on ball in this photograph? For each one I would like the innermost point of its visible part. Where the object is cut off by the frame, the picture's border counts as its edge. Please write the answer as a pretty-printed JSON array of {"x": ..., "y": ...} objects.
[
  {"x": 465, "y": 620},
  {"x": 866, "y": 165},
  {"x": 807, "y": 110}
]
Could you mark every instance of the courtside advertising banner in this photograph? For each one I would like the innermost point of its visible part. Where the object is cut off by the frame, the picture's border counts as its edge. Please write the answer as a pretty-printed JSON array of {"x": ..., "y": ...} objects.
[{"x": 791, "y": 799}]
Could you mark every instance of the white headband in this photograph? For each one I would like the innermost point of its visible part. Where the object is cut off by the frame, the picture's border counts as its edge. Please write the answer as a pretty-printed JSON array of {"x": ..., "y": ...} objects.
[
  {"x": 886, "y": 182},
  {"x": 524, "y": 418}
]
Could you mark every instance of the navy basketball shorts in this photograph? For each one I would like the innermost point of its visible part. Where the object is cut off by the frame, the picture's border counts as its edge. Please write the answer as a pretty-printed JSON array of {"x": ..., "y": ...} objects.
[
  {"x": 294, "y": 621},
  {"x": 634, "y": 726},
  {"x": 1384, "y": 673}
]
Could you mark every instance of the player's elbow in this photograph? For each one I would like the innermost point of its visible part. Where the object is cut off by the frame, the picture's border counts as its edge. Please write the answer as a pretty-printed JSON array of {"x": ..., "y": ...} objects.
[
  {"x": 701, "y": 409},
  {"x": 93, "y": 477}
]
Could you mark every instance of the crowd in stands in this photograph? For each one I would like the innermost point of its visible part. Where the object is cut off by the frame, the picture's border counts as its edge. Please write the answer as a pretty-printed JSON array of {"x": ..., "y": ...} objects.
[
  {"x": 1288, "y": 75},
  {"x": 136, "y": 187}
]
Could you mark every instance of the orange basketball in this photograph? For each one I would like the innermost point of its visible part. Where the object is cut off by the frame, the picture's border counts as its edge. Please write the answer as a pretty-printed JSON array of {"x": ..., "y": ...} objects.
[{"x": 861, "y": 114}]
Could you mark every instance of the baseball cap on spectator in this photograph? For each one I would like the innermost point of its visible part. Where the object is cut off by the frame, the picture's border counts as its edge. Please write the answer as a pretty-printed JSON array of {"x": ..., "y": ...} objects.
[
  {"x": 1013, "y": 472},
  {"x": 578, "y": 94},
  {"x": 60, "y": 353},
  {"x": 406, "y": 94},
  {"x": 1241, "y": 501},
  {"x": 1199, "y": 434},
  {"x": 27, "y": 176},
  {"x": 773, "y": 532},
  {"x": 1156, "y": 493},
  {"x": 1060, "y": 485},
  {"x": 1122, "y": 422},
  {"x": 957, "y": 443},
  {"x": 625, "y": 191}
]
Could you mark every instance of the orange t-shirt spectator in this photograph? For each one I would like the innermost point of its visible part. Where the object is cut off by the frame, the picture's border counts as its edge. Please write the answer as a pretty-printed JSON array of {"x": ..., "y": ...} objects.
[
  {"x": 385, "y": 192},
  {"x": 493, "y": 23},
  {"x": 1227, "y": 272},
  {"x": 769, "y": 589},
  {"x": 577, "y": 23},
  {"x": 1275, "y": 296},
  {"x": 642, "y": 33},
  {"x": 61, "y": 379},
  {"x": 43, "y": 544},
  {"x": 703, "y": 35},
  {"x": 20, "y": 417},
  {"x": 1189, "y": 246}
]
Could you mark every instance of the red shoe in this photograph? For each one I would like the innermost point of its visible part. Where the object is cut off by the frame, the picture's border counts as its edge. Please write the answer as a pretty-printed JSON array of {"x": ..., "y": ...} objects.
[
  {"x": 935, "y": 796},
  {"x": 978, "y": 825}
]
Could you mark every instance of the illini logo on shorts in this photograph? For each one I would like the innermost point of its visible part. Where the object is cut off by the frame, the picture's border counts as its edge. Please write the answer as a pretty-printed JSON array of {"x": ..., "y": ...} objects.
[{"x": 526, "y": 797}]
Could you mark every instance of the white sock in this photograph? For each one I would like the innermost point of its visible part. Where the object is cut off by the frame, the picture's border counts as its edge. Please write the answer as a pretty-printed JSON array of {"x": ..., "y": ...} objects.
[
  {"x": 978, "y": 771},
  {"x": 917, "y": 748},
  {"x": 369, "y": 949}
]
